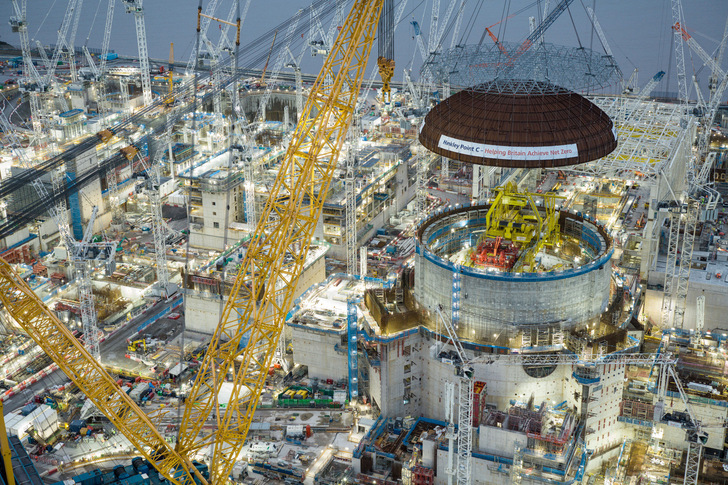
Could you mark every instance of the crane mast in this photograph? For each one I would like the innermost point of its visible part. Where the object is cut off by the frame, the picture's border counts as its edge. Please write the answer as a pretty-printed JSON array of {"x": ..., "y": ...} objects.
[
  {"x": 19, "y": 23},
  {"x": 137, "y": 8},
  {"x": 245, "y": 340}
]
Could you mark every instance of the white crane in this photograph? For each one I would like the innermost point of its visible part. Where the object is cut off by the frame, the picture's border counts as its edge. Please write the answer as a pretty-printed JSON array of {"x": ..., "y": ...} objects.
[
  {"x": 77, "y": 251},
  {"x": 714, "y": 79},
  {"x": 695, "y": 436},
  {"x": 682, "y": 86},
  {"x": 465, "y": 404},
  {"x": 151, "y": 188},
  {"x": 718, "y": 86},
  {"x": 136, "y": 7},
  {"x": 458, "y": 22},
  {"x": 101, "y": 83},
  {"x": 34, "y": 84}
]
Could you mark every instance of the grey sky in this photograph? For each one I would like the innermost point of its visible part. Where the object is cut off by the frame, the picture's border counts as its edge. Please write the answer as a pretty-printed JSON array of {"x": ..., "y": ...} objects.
[{"x": 637, "y": 30}]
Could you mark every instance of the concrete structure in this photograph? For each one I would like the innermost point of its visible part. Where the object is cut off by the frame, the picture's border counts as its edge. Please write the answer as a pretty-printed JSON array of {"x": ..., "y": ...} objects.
[{"x": 501, "y": 306}]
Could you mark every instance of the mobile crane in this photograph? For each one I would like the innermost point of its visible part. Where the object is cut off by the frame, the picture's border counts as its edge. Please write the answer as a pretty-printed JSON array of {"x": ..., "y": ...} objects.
[{"x": 245, "y": 341}]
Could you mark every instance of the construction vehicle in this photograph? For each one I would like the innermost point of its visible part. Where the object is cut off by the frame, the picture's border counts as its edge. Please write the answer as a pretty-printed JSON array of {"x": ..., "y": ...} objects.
[
  {"x": 137, "y": 345},
  {"x": 245, "y": 341}
]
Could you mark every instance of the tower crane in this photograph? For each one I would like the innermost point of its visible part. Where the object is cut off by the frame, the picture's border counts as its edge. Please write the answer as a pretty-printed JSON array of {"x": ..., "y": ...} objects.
[
  {"x": 69, "y": 42},
  {"x": 695, "y": 435},
  {"x": 136, "y": 7},
  {"x": 78, "y": 251},
  {"x": 31, "y": 77},
  {"x": 465, "y": 404},
  {"x": 101, "y": 84},
  {"x": 714, "y": 79},
  {"x": 718, "y": 87},
  {"x": 244, "y": 342},
  {"x": 677, "y": 275},
  {"x": 151, "y": 186}
]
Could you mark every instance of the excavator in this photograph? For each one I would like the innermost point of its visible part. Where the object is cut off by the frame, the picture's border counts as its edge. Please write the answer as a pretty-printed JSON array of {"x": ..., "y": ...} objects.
[{"x": 244, "y": 343}]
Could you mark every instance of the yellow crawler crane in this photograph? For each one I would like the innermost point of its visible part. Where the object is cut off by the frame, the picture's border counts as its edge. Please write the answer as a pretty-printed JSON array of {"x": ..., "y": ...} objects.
[
  {"x": 515, "y": 216},
  {"x": 244, "y": 342}
]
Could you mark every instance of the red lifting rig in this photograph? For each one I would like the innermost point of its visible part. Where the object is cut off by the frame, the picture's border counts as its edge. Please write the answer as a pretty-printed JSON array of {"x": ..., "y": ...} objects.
[{"x": 496, "y": 253}]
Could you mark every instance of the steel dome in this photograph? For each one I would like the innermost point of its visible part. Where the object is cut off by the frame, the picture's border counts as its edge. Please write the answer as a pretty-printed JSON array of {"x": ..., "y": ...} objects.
[{"x": 514, "y": 123}]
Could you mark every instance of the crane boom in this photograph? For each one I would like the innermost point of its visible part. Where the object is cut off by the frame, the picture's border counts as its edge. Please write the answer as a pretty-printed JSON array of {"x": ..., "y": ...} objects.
[
  {"x": 245, "y": 340},
  {"x": 57, "y": 341}
]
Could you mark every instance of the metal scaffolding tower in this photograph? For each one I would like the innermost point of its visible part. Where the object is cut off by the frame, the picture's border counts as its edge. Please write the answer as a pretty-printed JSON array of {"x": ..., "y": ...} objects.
[{"x": 666, "y": 320}]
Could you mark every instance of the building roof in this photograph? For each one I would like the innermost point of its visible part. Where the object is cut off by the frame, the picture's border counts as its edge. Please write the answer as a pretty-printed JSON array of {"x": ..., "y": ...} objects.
[
  {"x": 69, "y": 113},
  {"x": 512, "y": 123}
]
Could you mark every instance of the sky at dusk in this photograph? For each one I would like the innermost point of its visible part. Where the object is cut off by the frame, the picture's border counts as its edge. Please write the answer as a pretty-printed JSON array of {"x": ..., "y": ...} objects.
[{"x": 638, "y": 31}]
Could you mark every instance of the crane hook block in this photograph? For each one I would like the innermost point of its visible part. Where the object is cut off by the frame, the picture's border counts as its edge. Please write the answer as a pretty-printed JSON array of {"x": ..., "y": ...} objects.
[
  {"x": 105, "y": 135},
  {"x": 386, "y": 71},
  {"x": 129, "y": 152}
]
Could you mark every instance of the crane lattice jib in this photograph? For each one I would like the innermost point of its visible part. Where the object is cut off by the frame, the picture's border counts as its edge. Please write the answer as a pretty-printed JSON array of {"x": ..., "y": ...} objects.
[
  {"x": 244, "y": 342},
  {"x": 76, "y": 362}
]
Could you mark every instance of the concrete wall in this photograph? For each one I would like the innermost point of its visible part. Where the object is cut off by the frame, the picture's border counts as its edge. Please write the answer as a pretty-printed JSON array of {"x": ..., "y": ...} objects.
[
  {"x": 202, "y": 312},
  {"x": 716, "y": 302},
  {"x": 315, "y": 349},
  {"x": 494, "y": 306}
]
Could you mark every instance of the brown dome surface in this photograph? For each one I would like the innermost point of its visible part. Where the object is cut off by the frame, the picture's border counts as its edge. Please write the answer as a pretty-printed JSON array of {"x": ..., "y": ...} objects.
[{"x": 510, "y": 123}]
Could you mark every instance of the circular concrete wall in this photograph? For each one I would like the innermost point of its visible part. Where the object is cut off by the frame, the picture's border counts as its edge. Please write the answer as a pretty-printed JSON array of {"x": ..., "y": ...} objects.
[{"x": 502, "y": 306}]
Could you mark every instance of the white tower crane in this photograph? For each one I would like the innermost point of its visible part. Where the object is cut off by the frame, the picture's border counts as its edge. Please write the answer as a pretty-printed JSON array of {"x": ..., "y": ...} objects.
[
  {"x": 718, "y": 86},
  {"x": 101, "y": 83},
  {"x": 465, "y": 405},
  {"x": 350, "y": 187},
  {"x": 136, "y": 7},
  {"x": 603, "y": 40},
  {"x": 70, "y": 41},
  {"x": 715, "y": 78},
  {"x": 77, "y": 251},
  {"x": 151, "y": 188},
  {"x": 699, "y": 321},
  {"x": 31, "y": 78}
]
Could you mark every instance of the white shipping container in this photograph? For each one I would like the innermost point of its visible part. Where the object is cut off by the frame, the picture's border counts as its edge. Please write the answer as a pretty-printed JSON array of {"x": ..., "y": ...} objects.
[
  {"x": 46, "y": 422},
  {"x": 43, "y": 419}
]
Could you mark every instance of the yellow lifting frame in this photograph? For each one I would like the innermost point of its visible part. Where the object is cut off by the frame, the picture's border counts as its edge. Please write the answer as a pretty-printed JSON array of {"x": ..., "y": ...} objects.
[
  {"x": 244, "y": 342},
  {"x": 506, "y": 218}
]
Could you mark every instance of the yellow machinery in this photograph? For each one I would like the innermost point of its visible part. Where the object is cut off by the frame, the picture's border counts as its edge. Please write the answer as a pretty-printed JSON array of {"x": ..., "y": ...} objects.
[
  {"x": 514, "y": 216},
  {"x": 136, "y": 345},
  {"x": 242, "y": 348},
  {"x": 386, "y": 71}
]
